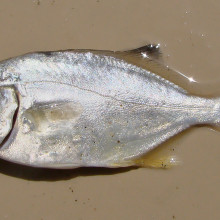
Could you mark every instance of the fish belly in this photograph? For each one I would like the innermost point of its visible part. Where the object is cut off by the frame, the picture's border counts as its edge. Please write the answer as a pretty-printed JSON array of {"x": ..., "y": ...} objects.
[{"x": 67, "y": 127}]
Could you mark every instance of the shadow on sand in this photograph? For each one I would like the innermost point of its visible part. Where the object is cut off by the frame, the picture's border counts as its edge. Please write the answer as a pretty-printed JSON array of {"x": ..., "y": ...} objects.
[{"x": 43, "y": 174}]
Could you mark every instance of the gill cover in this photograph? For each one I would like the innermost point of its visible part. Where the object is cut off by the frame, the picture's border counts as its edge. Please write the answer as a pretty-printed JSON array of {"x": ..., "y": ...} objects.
[{"x": 8, "y": 106}]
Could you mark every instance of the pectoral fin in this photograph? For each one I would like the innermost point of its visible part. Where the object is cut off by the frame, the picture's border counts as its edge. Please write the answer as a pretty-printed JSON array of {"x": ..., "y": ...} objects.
[
  {"x": 8, "y": 106},
  {"x": 52, "y": 117}
]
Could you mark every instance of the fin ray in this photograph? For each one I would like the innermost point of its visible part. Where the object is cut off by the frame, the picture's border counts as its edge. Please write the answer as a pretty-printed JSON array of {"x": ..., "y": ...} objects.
[{"x": 151, "y": 51}]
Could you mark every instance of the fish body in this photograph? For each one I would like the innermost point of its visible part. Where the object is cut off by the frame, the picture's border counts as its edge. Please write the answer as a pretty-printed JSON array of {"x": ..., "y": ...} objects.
[{"x": 76, "y": 108}]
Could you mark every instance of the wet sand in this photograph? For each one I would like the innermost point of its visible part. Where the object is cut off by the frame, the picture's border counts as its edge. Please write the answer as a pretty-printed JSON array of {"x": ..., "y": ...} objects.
[{"x": 188, "y": 32}]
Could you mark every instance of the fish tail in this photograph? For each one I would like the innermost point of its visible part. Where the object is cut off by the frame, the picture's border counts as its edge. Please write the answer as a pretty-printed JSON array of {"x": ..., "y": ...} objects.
[
  {"x": 210, "y": 113},
  {"x": 215, "y": 113},
  {"x": 204, "y": 111}
]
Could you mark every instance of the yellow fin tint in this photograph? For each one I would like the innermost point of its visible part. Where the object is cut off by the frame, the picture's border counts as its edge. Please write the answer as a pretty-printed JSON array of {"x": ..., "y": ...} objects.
[{"x": 158, "y": 158}]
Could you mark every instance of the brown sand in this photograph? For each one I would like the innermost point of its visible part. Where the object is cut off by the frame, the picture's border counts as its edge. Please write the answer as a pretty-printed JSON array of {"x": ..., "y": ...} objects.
[{"x": 189, "y": 33}]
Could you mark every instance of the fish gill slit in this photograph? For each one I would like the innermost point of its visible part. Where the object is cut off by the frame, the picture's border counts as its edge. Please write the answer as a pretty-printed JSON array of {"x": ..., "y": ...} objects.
[{"x": 14, "y": 119}]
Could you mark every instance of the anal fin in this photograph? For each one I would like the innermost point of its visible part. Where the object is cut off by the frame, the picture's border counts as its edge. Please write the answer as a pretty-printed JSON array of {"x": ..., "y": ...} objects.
[{"x": 158, "y": 158}]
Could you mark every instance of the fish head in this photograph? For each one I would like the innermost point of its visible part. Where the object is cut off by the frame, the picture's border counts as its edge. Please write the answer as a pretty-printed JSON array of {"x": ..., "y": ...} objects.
[{"x": 37, "y": 134}]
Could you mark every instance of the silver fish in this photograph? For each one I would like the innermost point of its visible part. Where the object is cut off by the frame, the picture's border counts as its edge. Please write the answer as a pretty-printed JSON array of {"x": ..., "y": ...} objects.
[{"x": 84, "y": 108}]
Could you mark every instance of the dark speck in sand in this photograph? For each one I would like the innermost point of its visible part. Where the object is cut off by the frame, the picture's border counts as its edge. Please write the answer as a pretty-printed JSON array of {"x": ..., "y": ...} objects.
[{"x": 71, "y": 189}]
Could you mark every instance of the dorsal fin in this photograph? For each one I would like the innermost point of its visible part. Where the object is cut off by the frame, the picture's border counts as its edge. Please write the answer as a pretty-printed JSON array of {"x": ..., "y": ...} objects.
[
  {"x": 149, "y": 62},
  {"x": 152, "y": 62},
  {"x": 151, "y": 51}
]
